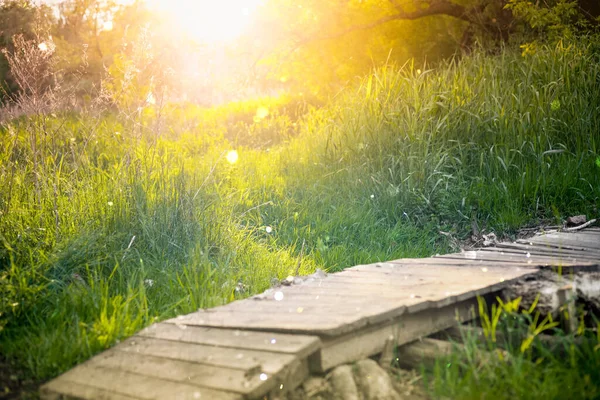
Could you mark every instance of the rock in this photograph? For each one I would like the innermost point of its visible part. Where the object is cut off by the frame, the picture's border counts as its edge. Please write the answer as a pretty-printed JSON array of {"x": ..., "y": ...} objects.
[
  {"x": 545, "y": 284},
  {"x": 576, "y": 220},
  {"x": 408, "y": 384},
  {"x": 587, "y": 287},
  {"x": 288, "y": 281},
  {"x": 342, "y": 384},
  {"x": 373, "y": 381},
  {"x": 316, "y": 388},
  {"x": 490, "y": 240}
]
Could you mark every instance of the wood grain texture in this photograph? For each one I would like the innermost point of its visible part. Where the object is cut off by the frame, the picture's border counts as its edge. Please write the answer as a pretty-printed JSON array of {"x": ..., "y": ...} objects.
[
  {"x": 298, "y": 345},
  {"x": 129, "y": 385}
]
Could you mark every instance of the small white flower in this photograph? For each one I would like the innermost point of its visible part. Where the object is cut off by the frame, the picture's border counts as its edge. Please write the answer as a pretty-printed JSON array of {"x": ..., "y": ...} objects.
[
  {"x": 372, "y": 196},
  {"x": 148, "y": 282},
  {"x": 110, "y": 204},
  {"x": 268, "y": 229}
]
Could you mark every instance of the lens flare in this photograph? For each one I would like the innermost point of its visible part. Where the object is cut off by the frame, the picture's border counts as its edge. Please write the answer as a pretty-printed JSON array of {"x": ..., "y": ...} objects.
[{"x": 232, "y": 157}]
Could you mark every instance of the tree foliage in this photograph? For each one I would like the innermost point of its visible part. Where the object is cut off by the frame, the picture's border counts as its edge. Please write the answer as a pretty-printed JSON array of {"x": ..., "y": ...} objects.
[{"x": 304, "y": 46}]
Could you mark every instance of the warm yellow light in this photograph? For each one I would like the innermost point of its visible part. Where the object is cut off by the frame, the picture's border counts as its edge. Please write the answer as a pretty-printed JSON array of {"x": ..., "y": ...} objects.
[
  {"x": 209, "y": 20},
  {"x": 232, "y": 157},
  {"x": 261, "y": 113}
]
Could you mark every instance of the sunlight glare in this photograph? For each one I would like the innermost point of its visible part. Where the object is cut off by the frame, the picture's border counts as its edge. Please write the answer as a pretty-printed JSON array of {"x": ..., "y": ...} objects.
[
  {"x": 209, "y": 20},
  {"x": 232, "y": 157},
  {"x": 261, "y": 113}
]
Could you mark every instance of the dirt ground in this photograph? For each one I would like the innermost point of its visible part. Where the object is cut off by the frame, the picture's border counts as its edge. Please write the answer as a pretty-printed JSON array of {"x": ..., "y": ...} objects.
[{"x": 14, "y": 384}]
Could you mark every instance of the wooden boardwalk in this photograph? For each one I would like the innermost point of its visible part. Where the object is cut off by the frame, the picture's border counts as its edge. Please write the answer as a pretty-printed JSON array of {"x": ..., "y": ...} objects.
[{"x": 268, "y": 344}]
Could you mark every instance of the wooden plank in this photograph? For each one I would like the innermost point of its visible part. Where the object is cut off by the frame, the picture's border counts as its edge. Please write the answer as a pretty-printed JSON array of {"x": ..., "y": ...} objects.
[
  {"x": 437, "y": 261},
  {"x": 293, "y": 377},
  {"x": 575, "y": 238},
  {"x": 440, "y": 272},
  {"x": 138, "y": 386},
  {"x": 321, "y": 324},
  {"x": 561, "y": 244},
  {"x": 544, "y": 251},
  {"x": 208, "y": 376},
  {"x": 59, "y": 389},
  {"x": 356, "y": 295},
  {"x": 241, "y": 359},
  {"x": 487, "y": 256},
  {"x": 366, "y": 342},
  {"x": 282, "y": 323},
  {"x": 398, "y": 278},
  {"x": 275, "y": 317},
  {"x": 424, "y": 351},
  {"x": 300, "y": 345}
]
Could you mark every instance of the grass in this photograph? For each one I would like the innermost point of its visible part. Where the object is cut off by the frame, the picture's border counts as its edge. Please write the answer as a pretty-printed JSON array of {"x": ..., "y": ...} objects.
[
  {"x": 519, "y": 365},
  {"x": 108, "y": 224}
]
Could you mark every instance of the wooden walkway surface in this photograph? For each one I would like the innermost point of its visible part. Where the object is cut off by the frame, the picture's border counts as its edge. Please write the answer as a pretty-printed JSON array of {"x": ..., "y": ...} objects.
[{"x": 270, "y": 343}]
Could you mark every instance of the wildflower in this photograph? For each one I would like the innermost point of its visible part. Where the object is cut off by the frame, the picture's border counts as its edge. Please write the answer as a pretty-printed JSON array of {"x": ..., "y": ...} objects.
[
  {"x": 268, "y": 229},
  {"x": 372, "y": 196},
  {"x": 110, "y": 203},
  {"x": 148, "y": 282}
]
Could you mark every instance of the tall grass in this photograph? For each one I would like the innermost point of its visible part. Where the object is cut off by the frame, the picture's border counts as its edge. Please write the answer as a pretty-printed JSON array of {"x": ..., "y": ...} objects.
[
  {"x": 512, "y": 362},
  {"x": 104, "y": 231}
]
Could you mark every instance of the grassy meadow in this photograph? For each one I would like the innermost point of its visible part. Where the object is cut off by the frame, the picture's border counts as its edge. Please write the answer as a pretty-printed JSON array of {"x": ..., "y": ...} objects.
[{"x": 108, "y": 224}]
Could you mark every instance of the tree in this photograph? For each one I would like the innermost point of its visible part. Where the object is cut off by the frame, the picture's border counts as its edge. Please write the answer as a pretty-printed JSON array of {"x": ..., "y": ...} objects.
[
  {"x": 31, "y": 22},
  {"x": 328, "y": 42}
]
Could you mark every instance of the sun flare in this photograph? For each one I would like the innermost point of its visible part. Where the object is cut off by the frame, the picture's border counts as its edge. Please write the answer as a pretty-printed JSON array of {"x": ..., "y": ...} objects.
[{"x": 209, "y": 20}]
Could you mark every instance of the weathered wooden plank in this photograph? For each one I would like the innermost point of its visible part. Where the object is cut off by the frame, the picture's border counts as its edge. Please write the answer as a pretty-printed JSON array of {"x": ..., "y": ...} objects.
[
  {"x": 273, "y": 317},
  {"x": 440, "y": 272},
  {"x": 273, "y": 309},
  {"x": 352, "y": 298},
  {"x": 357, "y": 295},
  {"x": 366, "y": 342},
  {"x": 139, "y": 386},
  {"x": 292, "y": 377},
  {"x": 569, "y": 244},
  {"x": 304, "y": 322},
  {"x": 402, "y": 278},
  {"x": 490, "y": 256},
  {"x": 245, "y": 360},
  {"x": 544, "y": 251},
  {"x": 424, "y": 351},
  {"x": 586, "y": 240},
  {"x": 59, "y": 389},
  {"x": 555, "y": 261},
  {"x": 208, "y": 376},
  {"x": 281, "y": 323},
  {"x": 436, "y": 261},
  {"x": 300, "y": 345}
]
